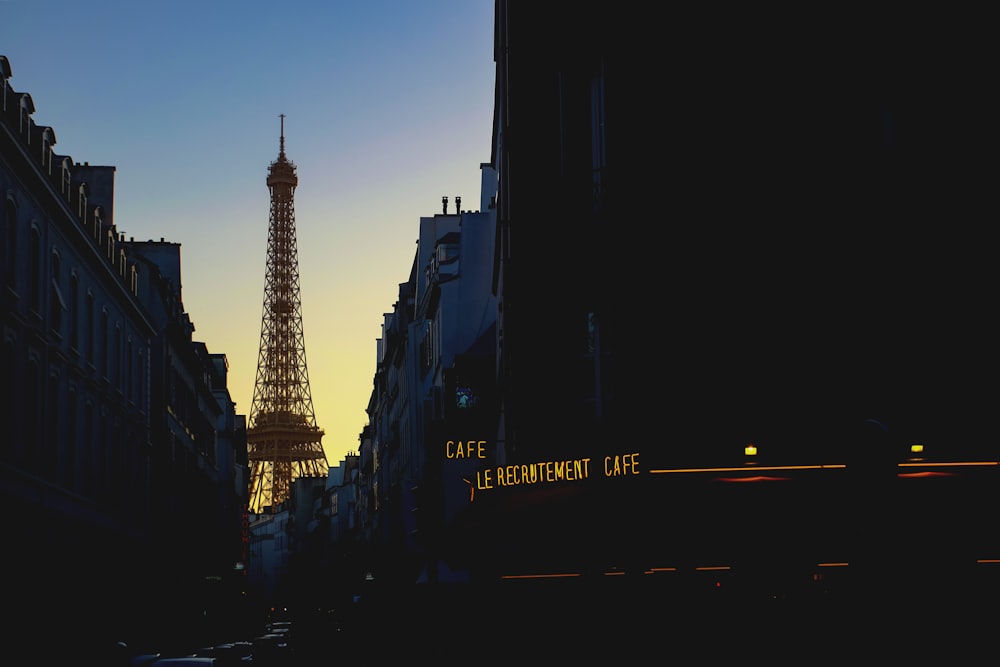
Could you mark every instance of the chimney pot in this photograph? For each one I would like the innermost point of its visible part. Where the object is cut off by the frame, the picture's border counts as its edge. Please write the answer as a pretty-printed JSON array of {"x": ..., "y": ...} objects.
[{"x": 444, "y": 205}]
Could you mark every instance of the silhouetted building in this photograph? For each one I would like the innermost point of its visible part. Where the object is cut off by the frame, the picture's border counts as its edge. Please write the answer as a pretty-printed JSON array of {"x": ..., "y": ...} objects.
[
  {"x": 715, "y": 230},
  {"x": 120, "y": 447},
  {"x": 76, "y": 452},
  {"x": 765, "y": 187}
]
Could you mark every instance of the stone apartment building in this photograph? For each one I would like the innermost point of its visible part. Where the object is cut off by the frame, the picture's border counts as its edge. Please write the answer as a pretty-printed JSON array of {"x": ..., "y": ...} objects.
[{"x": 120, "y": 446}]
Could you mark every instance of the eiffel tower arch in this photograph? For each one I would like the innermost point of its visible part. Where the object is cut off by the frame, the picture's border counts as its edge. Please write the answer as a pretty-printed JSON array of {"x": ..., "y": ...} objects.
[{"x": 283, "y": 441}]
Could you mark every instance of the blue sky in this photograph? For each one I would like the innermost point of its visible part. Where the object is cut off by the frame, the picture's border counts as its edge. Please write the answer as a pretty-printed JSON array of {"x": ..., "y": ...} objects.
[{"x": 388, "y": 107}]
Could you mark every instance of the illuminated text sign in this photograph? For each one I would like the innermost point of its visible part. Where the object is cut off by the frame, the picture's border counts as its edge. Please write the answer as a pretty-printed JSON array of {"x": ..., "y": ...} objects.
[
  {"x": 540, "y": 472},
  {"x": 547, "y": 472}
]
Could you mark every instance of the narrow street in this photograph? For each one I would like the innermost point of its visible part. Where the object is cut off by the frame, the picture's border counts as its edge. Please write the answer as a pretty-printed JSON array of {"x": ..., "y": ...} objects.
[{"x": 556, "y": 624}]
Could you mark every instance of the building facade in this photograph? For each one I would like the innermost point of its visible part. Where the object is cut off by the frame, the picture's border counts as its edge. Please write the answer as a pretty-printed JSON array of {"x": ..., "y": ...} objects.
[
  {"x": 120, "y": 442},
  {"x": 720, "y": 223}
]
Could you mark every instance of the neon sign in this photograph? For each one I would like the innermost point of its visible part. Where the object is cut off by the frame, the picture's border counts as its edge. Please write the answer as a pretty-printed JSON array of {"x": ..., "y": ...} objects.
[{"x": 539, "y": 472}]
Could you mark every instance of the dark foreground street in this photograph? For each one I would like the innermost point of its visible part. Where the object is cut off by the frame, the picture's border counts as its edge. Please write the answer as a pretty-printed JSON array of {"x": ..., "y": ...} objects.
[{"x": 560, "y": 622}]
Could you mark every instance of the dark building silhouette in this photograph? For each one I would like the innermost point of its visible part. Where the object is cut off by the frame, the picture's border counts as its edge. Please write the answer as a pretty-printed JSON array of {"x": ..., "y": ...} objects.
[
  {"x": 721, "y": 229},
  {"x": 724, "y": 222},
  {"x": 122, "y": 459}
]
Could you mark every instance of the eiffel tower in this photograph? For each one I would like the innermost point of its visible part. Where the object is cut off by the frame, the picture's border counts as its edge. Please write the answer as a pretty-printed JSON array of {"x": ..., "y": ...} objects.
[{"x": 283, "y": 441}]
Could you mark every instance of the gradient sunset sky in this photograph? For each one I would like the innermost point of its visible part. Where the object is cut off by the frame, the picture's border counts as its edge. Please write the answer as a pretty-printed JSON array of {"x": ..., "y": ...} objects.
[{"x": 388, "y": 107}]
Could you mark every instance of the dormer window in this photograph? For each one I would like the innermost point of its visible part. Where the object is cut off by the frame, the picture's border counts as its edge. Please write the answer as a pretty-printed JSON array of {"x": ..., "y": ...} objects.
[
  {"x": 27, "y": 108},
  {"x": 66, "y": 178},
  {"x": 81, "y": 205},
  {"x": 4, "y": 75},
  {"x": 98, "y": 214},
  {"x": 111, "y": 246},
  {"x": 48, "y": 140}
]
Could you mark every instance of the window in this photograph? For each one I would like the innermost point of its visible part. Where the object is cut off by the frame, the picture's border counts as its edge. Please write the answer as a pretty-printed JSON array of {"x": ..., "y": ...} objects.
[
  {"x": 427, "y": 347},
  {"x": 98, "y": 223},
  {"x": 116, "y": 361},
  {"x": 27, "y": 108},
  {"x": 48, "y": 139},
  {"x": 10, "y": 235},
  {"x": 436, "y": 337},
  {"x": 35, "y": 270},
  {"x": 140, "y": 389},
  {"x": 104, "y": 343},
  {"x": 129, "y": 371},
  {"x": 74, "y": 311},
  {"x": 89, "y": 332},
  {"x": 56, "y": 302},
  {"x": 67, "y": 176},
  {"x": 81, "y": 203},
  {"x": 466, "y": 397}
]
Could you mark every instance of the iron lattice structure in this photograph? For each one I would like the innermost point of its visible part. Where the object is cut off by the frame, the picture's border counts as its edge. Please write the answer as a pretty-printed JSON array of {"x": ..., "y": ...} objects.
[{"x": 283, "y": 441}]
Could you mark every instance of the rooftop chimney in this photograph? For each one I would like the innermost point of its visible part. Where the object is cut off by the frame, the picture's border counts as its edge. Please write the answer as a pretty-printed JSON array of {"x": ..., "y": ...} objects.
[
  {"x": 458, "y": 204},
  {"x": 444, "y": 205}
]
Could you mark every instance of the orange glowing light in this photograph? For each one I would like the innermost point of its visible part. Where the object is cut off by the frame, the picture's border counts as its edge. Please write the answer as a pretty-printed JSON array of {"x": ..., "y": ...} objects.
[
  {"x": 554, "y": 575},
  {"x": 825, "y": 466},
  {"x": 925, "y": 474}
]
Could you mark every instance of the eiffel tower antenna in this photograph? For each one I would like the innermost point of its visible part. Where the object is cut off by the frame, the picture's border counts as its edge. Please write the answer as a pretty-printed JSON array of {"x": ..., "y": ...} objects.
[{"x": 283, "y": 441}]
